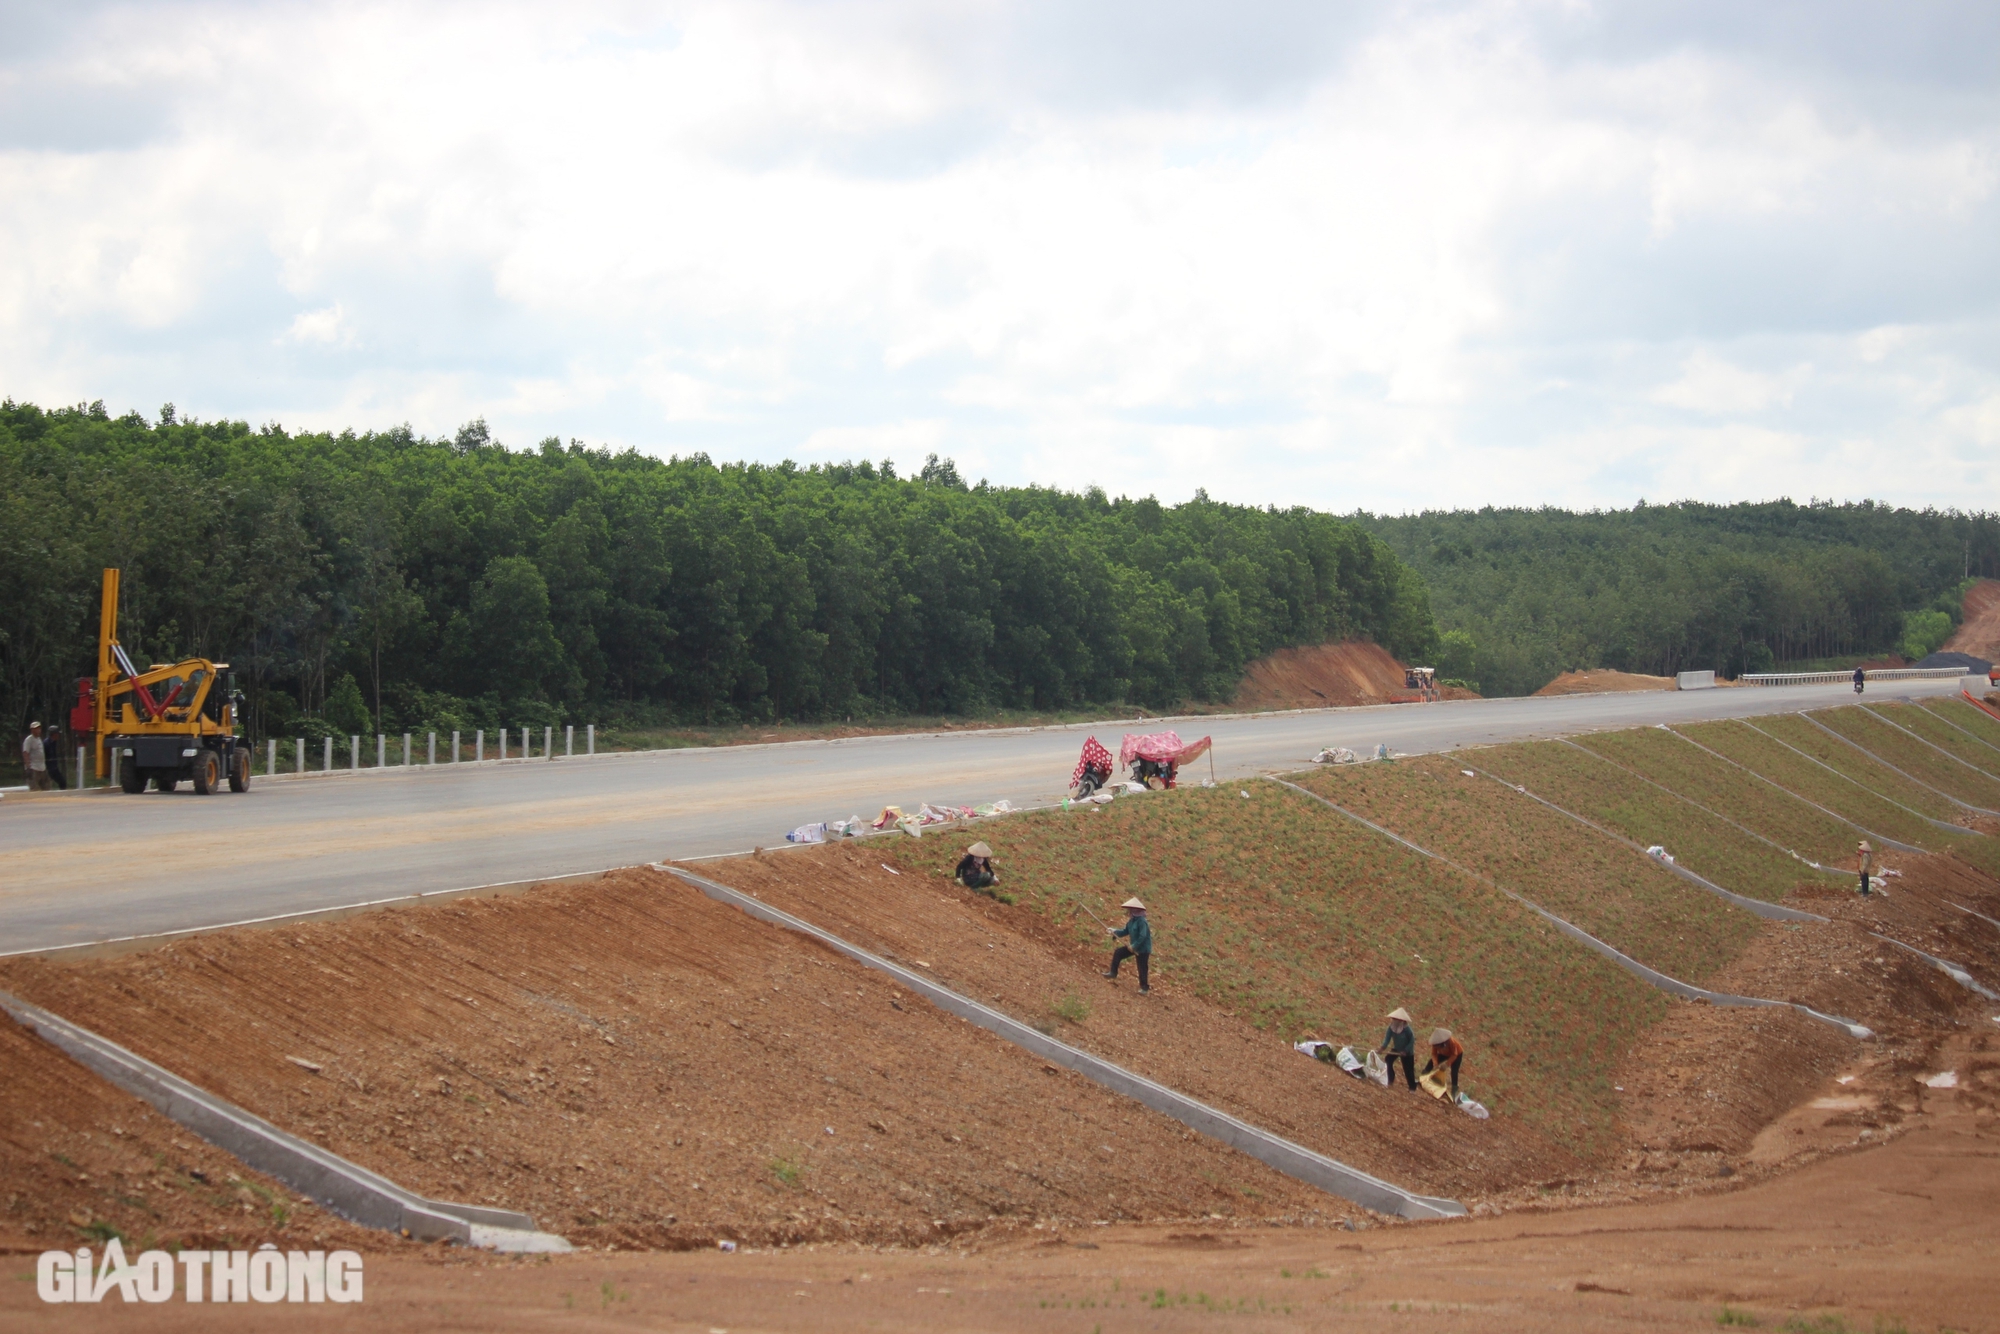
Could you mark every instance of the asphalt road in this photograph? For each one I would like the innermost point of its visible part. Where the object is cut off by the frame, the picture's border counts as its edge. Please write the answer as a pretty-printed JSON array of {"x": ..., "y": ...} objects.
[{"x": 100, "y": 867}]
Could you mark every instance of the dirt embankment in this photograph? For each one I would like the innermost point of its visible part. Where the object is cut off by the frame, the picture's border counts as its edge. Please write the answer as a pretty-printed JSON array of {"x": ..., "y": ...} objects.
[
  {"x": 1328, "y": 675},
  {"x": 635, "y": 1064},
  {"x": 1979, "y": 632},
  {"x": 1604, "y": 681}
]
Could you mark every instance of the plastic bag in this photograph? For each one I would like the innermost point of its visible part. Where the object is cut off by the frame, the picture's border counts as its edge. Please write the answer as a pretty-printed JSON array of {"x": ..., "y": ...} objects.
[
  {"x": 1313, "y": 1047},
  {"x": 808, "y": 833},
  {"x": 1376, "y": 1068},
  {"x": 1348, "y": 1061},
  {"x": 1477, "y": 1111}
]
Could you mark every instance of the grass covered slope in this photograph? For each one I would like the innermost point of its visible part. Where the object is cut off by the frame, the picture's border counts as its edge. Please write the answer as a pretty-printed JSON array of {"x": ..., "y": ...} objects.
[
  {"x": 1302, "y": 922},
  {"x": 1866, "y": 767},
  {"x": 1845, "y": 797},
  {"x": 1622, "y": 800},
  {"x": 1947, "y": 732},
  {"x": 1618, "y": 895},
  {"x": 1973, "y": 719},
  {"x": 1944, "y": 772}
]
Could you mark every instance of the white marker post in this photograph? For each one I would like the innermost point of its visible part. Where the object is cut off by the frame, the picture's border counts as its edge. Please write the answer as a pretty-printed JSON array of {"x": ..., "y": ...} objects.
[
  {"x": 406, "y": 750},
  {"x": 78, "y": 771},
  {"x": 569, "y": 741},
  {"x": 479, "y": 745},
  {"x": 353, "y": 752},
  {"x": 381, "y": 751},
  {"x": 326, "y": 757},
  {"x": 503, "y": 744},
  {"x": 434, "y": 749},
  {"x": 299, "y": 754},
  {"x": 527, "y": 751},
  {"x": 271, "y": 764},
  {"x": 548, "y": 743},
  {"x": 590, "y": 738}
]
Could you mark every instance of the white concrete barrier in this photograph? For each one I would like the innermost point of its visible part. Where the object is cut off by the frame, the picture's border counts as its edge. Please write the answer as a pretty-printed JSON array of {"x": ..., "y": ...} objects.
[{"x": 1694, "y": 680}]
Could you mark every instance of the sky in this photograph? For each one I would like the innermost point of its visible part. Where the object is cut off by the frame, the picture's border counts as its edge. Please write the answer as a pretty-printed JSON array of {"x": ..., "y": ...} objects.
[{"x": 1381, "y": 256}]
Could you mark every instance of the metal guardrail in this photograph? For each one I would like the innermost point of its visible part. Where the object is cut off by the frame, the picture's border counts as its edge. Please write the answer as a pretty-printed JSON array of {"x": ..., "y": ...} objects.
[{"x": 1835, "y": 678}]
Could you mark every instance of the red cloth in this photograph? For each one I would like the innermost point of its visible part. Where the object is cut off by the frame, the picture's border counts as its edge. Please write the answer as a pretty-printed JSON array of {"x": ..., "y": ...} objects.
[
  {"x": 1160, "y": 747},
  {"x": 1095, "y": 756}
]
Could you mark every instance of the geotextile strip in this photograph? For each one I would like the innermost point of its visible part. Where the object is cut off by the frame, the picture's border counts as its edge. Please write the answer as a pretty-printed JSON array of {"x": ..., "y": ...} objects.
[
  {"x": 1743, "y": 828},
  {"x": 1883, "y": 839},
  {"x": 1294, "y": 1160},
  {"x": 1911, "y": 778},
  {"x": 1774, "y": 911},
  {"x": 1652, "y": 976},
  {"x": 1812, "y": 759}
]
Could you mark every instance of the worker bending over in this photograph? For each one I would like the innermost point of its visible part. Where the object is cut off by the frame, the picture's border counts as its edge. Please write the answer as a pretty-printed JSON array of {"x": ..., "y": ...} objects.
[
  {"x": 1138, "y": 933},
  {"x": 975, "y": 869},
  {"x": 1446, "y": 1054},
  {"x": 1400, "y": 1044}
]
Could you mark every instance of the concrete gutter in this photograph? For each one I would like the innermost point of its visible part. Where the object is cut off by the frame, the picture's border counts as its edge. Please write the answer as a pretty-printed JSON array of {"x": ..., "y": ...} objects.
[
  {"x": 345, "y": 1188},
  {"x": 1650, "y": 976},
  {"x": 1294, "y": 1160}
]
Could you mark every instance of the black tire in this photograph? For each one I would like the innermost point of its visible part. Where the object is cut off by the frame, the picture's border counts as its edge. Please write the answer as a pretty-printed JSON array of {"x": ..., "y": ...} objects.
[
  {"x": 207, "y": 772},
  {"x": 1087, "y": 786},
  {"x": 239, "y": 771},
  {"x": 165, "y": 782},
  {"x": 131, "y": 780}
]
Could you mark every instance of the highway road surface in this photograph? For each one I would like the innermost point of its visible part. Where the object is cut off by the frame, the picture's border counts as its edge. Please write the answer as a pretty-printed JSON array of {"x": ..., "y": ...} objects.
[{"x": 97, "y": 867}]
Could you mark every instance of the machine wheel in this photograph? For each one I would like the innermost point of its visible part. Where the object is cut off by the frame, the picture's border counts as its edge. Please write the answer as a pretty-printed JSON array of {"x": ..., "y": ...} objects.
[
  {"x": 131, "y": 780},
  {"x": 207, "y": 772},
  {"x": 165, "y": 782},
  {"x": 239, "y": 771}
]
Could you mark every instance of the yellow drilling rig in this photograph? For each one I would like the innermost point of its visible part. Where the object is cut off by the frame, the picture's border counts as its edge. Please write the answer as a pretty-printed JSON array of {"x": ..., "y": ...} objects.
[{"x": 168, "y": 724}]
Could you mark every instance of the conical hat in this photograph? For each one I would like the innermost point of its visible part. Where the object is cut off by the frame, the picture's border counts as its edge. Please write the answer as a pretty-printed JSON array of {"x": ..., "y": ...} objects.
[
  {"x": 979, "y": 850},
  {"x": 1133, "y": 903},
  {"x": 1440, "y": 1036},
  {"x": 1400, "y": 1013}
]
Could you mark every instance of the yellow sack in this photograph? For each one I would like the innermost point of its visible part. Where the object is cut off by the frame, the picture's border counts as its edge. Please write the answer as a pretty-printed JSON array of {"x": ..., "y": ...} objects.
[{"x": 1430, "y": 1083}]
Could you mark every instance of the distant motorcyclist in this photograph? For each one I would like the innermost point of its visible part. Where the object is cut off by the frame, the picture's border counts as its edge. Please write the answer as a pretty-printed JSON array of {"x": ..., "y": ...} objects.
[{"x": 1860, "y": 679}]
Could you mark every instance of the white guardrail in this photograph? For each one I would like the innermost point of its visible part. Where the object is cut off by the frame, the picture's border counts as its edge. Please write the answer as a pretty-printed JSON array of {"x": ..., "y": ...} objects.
[{"x": 1834, "y": 678}]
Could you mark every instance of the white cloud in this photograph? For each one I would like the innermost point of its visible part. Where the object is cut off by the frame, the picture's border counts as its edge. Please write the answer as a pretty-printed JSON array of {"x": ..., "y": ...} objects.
[{"x": 1428, "y": 255}]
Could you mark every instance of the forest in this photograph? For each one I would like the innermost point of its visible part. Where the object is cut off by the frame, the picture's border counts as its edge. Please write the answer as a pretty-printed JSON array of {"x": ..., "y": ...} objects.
[
  {"x": 1522, "y": 595},
  {"x": 381, "y": 581},
  {"x": 385, "y": 582}
]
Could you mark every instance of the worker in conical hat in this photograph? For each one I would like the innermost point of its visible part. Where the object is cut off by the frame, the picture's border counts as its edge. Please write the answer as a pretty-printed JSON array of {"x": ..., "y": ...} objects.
[
  {"x": 975, "y": 869},
  {"x": 1866, "y": 857},
  {"x": 1400, "y": 1044},
  {"x": 1446, "y": 1053},
  {"x": 1138, "y": 933}
]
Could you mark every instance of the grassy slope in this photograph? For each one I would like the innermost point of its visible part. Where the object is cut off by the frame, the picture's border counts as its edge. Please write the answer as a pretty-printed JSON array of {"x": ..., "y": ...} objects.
[
  {"x": 1928, "y": 724},
  {"x": 1914, "y": 758},
  {"x": 1304, "y": 922},
  {"x": 1867, "y": 767},
  {"x": 1974, "y": 720},
  {"x": 1668, "y": 759},
  {"x": 1599, "y": 790},
  {"x": 1766, "y": 757},
  {"x": 1618, "y": 895}
]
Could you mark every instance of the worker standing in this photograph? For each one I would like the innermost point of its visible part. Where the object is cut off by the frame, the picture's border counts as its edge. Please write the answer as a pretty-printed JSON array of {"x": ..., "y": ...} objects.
[
  {"x": 52, "y": 749},
  {"x": 34, "y": 759},
  {"x": 1447, "y": 1053},
  {"x": 1866, "y": 857},
  {"x": 1138, "y": 933},
  {"x": 1400, "y": 1044}
]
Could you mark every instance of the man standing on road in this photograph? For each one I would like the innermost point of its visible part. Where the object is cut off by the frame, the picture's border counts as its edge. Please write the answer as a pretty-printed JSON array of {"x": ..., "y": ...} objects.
[
  {"x": 34, "y": 758},
  {"x": 1138, "y": 933}
]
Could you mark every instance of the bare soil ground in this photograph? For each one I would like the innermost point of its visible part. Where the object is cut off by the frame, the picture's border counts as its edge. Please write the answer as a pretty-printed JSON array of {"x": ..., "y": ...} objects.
[
  {"x": 1979, "y": 632},
  {"x": 1326, "y": 675},
  {"x": 1604, "y": 681}
]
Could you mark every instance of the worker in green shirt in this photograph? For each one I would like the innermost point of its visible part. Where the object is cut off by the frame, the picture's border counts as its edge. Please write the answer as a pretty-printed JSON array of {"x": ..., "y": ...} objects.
[
  {"x": 1400, "y": 1044},
  {"x": 1138, "y": 933}
]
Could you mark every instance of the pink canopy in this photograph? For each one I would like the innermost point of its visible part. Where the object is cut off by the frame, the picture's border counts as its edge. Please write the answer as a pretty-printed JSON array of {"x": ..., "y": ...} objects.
[{"x": 1161, "y": 748}]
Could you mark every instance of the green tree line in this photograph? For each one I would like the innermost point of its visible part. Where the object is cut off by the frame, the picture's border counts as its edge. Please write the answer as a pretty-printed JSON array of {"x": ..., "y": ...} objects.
[
  {"x": 384, "y": 581},
  {"x": 1522, "y": 595}
]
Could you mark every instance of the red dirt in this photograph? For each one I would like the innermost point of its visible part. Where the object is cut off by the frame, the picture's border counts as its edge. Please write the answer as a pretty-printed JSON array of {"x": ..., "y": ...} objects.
[
  {"x": 1604, "y": 681},
  {"x": 1888, "y": 1237},
  {"x": 1979, "y": 632},
  {"x": 1328, "y": 675},
  {"x": 81, "y": 1161}
]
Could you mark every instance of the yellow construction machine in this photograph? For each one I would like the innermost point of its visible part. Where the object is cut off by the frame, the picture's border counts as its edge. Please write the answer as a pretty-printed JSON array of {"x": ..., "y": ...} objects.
[{"x": 164, "y": 725}]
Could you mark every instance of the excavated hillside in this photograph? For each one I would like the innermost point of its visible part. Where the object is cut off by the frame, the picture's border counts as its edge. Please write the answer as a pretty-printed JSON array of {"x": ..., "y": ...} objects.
[
  {"x": 1321, "y": 676},
  {"x": 1979, "y": 632}
]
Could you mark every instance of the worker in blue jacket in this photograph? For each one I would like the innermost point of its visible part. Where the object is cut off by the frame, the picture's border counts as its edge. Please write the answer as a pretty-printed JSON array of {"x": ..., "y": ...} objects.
[{"x": 1138, "y": 933}]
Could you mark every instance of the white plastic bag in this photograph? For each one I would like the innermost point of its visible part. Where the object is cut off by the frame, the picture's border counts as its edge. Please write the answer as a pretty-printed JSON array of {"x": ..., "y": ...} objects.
[
  {"x": 1377, "y": 1069},
  {"x": 1348, "y": 1061},
  {"x": 808, "y": 833},
  {"x": 1477, "y": 1111}
]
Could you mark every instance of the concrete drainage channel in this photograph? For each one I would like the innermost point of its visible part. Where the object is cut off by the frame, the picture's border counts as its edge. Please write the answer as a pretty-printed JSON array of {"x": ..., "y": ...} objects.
[
  {"x": 345, "y": 1188},
  {"x": 1294, "y": 1160}
]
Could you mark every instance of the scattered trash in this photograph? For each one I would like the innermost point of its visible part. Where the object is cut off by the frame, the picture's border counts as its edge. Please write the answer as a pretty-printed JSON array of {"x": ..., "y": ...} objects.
[
  {"x": 808, "y": 833},
  {"x": 1476, "y": 1110},
  {"x": 1376, "y": 1069},
  {"x": 303, "y": 1064},
  {"x": 1134, "y": 787},
  {"x": 1468, "y": 773},
  {"x": 1348, "y": 1061},
  {"x": 890, "y": 869},
  {"x": 728, "y": 1246},
  {"x": 1244, "y": 795},
  {"x": 1947, "y": 1080},
  {"x": 829, "y": 1130},
  {"x": 1313, "y": 1047},
  {"x": 1845, "y": 1079},
  {"x": 1660, "y": 854},
  {"x": 1335, "y": 755}
]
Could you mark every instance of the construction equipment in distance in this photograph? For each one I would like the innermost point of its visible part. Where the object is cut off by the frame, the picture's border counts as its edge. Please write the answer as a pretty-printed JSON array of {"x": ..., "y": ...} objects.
[{"x": 167, "y": 724}]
